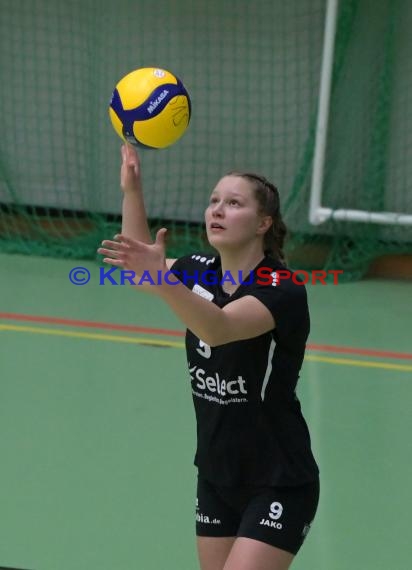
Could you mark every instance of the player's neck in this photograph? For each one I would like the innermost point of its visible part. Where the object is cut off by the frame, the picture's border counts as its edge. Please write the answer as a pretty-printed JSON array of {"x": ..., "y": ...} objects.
[{"x": 236, "y": 261}]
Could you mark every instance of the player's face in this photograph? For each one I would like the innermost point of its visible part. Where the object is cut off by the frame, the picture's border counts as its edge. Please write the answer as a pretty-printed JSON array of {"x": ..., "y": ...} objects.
[{"x": 232, "y": 218}]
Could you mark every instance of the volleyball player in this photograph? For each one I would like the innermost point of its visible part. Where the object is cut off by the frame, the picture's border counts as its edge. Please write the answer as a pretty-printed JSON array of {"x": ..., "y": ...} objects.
[{"x": 258, "y": 482}]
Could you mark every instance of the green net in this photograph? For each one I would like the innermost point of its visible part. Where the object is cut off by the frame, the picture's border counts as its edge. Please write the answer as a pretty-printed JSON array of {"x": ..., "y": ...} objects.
[
  {"x": 252, "y": 70},
  {"x": 367, "y": 166}
]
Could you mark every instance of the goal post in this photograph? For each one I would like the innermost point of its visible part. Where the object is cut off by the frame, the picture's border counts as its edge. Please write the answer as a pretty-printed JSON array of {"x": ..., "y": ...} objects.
[{"x": 318, "y": 213}]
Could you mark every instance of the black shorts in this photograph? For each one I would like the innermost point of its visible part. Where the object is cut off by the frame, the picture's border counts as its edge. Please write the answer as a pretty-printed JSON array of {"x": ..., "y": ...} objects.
[{"x": 279, "y": 516}]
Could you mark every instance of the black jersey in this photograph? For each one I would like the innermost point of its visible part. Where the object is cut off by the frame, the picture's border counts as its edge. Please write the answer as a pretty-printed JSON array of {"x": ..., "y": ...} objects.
[{"x": 250, "y": 429}]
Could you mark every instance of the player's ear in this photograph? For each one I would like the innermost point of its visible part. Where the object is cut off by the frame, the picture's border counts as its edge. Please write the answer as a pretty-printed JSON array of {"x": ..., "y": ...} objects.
[{"x": 265, "y": 223}]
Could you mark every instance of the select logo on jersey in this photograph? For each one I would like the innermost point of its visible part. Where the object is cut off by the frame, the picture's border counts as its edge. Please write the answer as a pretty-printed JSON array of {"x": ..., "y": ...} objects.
[
  {"x": 275, "y": 512},
  {"x": 215, "y": 388}
]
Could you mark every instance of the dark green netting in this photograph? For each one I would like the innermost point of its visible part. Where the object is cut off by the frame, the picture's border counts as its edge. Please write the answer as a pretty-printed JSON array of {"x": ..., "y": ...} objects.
[{"x": 252, "y": 70}]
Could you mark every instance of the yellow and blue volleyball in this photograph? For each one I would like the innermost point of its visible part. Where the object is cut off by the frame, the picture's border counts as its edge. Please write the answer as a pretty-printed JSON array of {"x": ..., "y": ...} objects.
[{"x": 150, "y": 108}]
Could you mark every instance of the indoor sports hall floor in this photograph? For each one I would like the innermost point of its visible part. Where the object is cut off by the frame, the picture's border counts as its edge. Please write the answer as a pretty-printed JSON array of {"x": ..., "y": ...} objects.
[{"x": 97, "y": 429}]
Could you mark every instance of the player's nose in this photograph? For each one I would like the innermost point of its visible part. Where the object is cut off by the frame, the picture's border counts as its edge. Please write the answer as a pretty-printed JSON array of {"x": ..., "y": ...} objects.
[{"x": 218, "y": 209}]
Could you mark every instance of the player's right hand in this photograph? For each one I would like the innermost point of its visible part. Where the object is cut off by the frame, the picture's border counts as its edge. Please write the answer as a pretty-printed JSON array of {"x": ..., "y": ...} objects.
[{"x": 130, "y": 175}]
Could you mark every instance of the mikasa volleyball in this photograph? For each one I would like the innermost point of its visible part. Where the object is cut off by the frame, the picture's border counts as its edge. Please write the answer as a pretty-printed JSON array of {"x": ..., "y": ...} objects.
[{"x": 150, "y": 108}]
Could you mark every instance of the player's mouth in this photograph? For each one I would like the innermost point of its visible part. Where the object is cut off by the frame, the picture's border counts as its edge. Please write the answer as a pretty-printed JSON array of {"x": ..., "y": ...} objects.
[{"x": 215, "y": 227}]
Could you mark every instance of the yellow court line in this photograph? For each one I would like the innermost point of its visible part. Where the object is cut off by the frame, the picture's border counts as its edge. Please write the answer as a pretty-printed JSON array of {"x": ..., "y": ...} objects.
[
  {"x": 365, "y": 363},
  {"x": 92, "y": 336},
  {"x": 175, "y": 344}
]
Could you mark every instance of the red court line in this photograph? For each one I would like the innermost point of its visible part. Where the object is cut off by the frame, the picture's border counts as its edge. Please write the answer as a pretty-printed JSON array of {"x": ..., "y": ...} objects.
[
  {"x": 88, "y": 324},
  {"x": 360, "y": 351},
  {"x": 170, "y": 332}
]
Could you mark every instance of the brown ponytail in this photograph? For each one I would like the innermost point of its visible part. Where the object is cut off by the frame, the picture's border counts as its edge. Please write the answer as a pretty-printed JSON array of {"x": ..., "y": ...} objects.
[{"x": 267, "y": 196}]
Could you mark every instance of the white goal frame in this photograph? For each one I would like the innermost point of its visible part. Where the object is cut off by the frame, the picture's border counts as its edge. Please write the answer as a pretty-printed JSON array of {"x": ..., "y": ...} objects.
[{"x": 319, "y": 214}]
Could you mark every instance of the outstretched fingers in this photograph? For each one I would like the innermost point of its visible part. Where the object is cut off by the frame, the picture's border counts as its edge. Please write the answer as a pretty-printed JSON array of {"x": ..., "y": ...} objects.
[
  {"x": 135, "y": 255},
  {"x": 113, "y": 257},
  {"x": 119, "y": 250},
  {"x": 114, "y": 251},
  {"x": 120, "y": 238},
  {"x": 113, "y": 261}
]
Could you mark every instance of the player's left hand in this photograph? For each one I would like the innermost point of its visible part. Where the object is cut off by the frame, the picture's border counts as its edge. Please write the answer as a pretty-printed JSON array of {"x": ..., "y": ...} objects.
[{"x": 134, "y": 255}]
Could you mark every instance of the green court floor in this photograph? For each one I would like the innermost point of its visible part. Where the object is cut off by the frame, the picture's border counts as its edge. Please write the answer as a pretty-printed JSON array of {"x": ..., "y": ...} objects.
[{"x": 97, "y": 429}]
